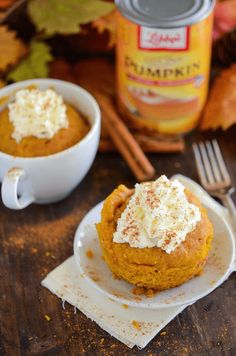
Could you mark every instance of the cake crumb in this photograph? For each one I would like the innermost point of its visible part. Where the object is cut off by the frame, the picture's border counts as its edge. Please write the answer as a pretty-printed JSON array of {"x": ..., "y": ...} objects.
[
  {"x": 163, "y": 333},
  {"x": 95, "y": 279},
  {"x": 47, "y": 317},
  {"x": 89, "y": 254},
  {"x": 138, "y": 290},
  {"x": 136, "y": 324},
  {"x": 138, "y": 299},
  {"x": 116, "y": 277},
  {"x": 125, "y": 306},
  {"x": 94, "y": 276},
  {"x": 148, "y": 292}
]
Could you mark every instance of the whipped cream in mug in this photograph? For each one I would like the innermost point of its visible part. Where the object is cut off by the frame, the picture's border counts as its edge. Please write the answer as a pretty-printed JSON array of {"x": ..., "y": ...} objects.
[
  {"x": 158, "y": 215},
  {"x": 39, "y": 113}
]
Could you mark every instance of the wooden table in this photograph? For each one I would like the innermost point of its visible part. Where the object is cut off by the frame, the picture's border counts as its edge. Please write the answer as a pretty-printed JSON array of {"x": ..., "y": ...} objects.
[{"x": 39, "y": 238}]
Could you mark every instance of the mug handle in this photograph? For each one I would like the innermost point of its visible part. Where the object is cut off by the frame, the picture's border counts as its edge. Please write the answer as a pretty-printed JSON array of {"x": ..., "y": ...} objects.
[{"x": 9, "y": 190}]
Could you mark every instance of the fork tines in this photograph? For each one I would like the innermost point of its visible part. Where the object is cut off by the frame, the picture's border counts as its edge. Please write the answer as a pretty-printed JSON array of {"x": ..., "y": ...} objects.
[{"x": 210, "y": 163}]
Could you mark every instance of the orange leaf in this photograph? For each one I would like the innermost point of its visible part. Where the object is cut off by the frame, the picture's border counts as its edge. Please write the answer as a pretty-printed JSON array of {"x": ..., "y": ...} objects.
[
  {"x": 224, "y": 18},
  {"x": 220, "y": 110},
  {"x": 4, "y": 4},
  {"x": 12, "y": 49},
  {"x": 107, "y": 23}
]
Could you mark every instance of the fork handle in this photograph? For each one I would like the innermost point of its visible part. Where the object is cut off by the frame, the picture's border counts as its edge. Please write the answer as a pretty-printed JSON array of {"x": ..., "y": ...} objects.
[{"x": 229, "y": 204}]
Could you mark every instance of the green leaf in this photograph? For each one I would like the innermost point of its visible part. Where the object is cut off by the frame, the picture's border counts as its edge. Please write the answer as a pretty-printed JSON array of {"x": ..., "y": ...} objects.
[
  {"x": 66, "y": 16},
  {"x": 35, "y": 65}
]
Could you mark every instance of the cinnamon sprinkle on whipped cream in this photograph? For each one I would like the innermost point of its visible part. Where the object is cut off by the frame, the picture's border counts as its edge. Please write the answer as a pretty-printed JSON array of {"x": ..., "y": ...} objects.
[
  {"x": 158, "y": 215},
  {"x": 39, "y": 113}
]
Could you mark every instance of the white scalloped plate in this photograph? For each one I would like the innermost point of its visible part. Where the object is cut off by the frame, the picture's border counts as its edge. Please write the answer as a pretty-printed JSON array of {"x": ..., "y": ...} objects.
[{"x": 95, "y": 270}]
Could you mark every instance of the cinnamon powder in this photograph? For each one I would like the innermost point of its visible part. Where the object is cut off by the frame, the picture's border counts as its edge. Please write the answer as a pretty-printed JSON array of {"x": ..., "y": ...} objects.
[{"x": 49, "y": 234}]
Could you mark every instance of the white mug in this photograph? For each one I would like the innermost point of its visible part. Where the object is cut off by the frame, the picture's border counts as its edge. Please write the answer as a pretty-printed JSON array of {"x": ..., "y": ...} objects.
[{"x": 50, "y": 178}]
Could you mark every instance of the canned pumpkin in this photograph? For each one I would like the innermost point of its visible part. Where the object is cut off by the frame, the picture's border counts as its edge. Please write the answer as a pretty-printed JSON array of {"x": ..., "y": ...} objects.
[{"x": 163, "y": 62}]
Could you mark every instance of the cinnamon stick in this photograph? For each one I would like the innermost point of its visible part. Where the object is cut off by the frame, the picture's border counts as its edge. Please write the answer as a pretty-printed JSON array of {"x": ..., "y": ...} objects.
[
  {"x": 125, "y": 142},
  {"x": 148, "y": 145}
]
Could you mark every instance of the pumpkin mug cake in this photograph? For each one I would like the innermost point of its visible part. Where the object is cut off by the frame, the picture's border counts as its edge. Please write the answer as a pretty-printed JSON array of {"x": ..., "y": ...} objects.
[
  {"x": 49, "y": 136},
  {"x": 39, "y": 123},
  {"x": 156, "y": 236}
]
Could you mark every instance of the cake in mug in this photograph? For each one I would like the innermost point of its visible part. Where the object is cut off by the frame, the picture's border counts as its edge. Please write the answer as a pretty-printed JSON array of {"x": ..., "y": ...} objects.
[
  {"x": 39, "y": 123},
  {"x": 156, "y": 236}
]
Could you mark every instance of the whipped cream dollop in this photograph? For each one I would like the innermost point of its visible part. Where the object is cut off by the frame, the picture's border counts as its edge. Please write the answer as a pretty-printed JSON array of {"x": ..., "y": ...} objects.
[
  {"x": 39, "y": 113},
  {"x": 158, "y": 214}
]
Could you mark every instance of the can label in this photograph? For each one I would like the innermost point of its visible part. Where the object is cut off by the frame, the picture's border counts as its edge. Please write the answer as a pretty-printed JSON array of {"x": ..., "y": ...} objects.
[
  {"x": 162, "y": 74},
  {"x": 152, "y": 39}
]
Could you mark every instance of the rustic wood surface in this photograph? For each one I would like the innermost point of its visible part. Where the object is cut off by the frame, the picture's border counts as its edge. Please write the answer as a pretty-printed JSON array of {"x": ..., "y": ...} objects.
[{"x": 39, "y": 238}]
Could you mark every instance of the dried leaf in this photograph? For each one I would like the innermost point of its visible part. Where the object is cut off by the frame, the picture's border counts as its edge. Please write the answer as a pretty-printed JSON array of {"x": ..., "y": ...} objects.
[
  {"x": 4, "y": 4},
  {"x": 12, "y": 49},
  {"x": 107, "y": 23},
  {"x": 66, "y": 16},
  {"x": 220, "y": 110},
  {"x": 224, "y": 18},
  {"x": 35, "y": 65}
]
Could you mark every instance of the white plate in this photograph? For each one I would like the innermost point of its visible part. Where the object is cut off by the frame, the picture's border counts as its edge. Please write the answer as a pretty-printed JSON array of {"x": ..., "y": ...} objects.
[{"x": 95, "y": 270}]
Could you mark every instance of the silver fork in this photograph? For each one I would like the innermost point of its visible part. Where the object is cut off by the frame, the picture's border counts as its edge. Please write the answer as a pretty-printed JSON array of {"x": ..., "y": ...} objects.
[{"x": 214, "y": 175}]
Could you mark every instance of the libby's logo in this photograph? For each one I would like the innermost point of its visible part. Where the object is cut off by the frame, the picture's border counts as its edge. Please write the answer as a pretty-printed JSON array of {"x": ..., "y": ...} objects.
[
  {"x": 157, "y": 39},
  {"x": 163, "y": 39}
]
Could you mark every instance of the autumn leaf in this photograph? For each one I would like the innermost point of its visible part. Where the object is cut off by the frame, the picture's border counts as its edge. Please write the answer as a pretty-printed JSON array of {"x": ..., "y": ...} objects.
[
  {"x": 224, "y": 18},
  {"x": 107, "y": 23},
  {"x": 4, "y": 4},
  {"x": 35, "y": 65},
  {"x": 66, "y": 16},
  {"x": 220, "y": 110},
  {"x": 12, "y": 49}
]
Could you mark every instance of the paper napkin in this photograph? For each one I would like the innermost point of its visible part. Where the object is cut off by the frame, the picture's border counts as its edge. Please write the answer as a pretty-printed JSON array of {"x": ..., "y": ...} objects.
[{"x": 132, "y": 326}]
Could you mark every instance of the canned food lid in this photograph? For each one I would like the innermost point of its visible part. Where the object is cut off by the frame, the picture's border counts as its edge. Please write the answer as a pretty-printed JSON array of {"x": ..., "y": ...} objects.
[{"x": 165, "y": 13}]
